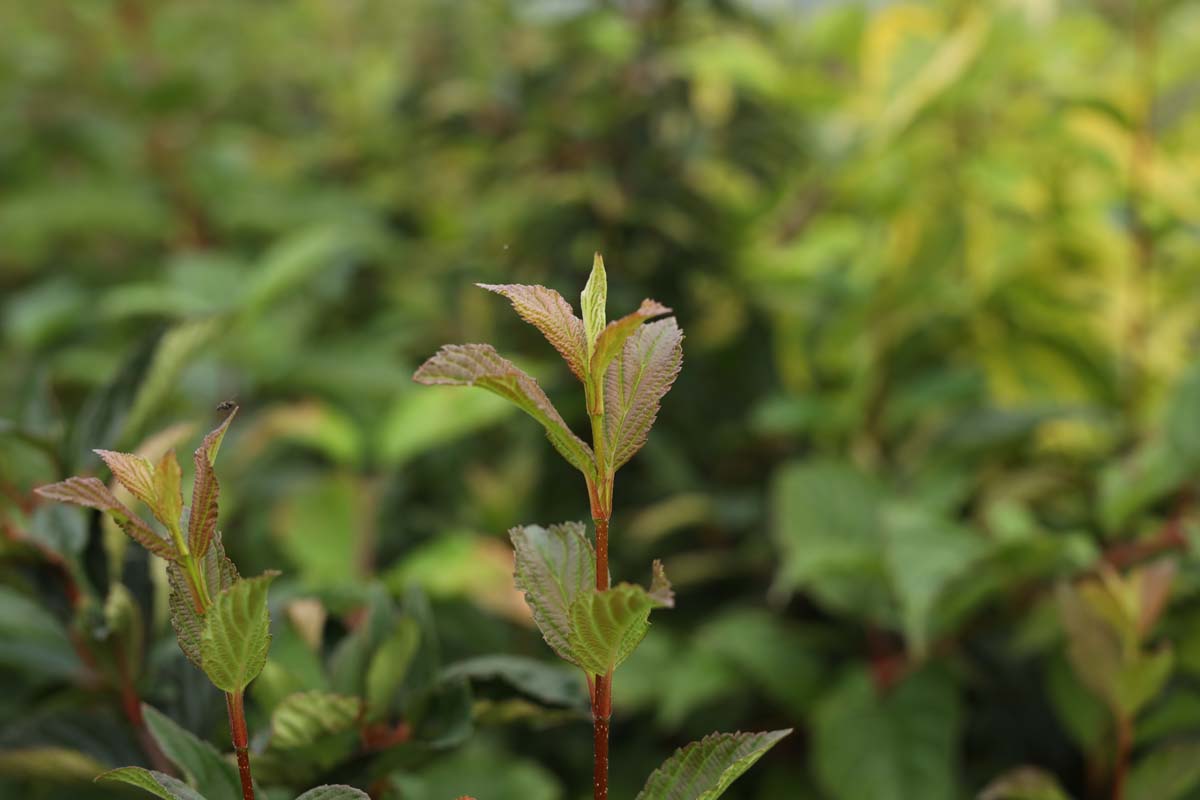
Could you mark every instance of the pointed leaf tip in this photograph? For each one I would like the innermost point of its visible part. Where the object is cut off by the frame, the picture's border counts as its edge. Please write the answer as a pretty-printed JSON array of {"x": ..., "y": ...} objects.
[
  {"x": 236, "y": 635},
  {"x": 634, "y": 385},
  {"x": 554, "y": 566},
  {"x": 593, "y": 302},
  {"x": 607, "y": 626},
  {"x": 703, "y": 770}
]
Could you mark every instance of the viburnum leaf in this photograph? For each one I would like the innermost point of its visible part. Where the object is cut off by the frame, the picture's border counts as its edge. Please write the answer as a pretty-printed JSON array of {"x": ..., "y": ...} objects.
[
  {"x": 634, "y": 385},
  {"x": 304, "y": 718},
  {"x": 1024, "y": 783},
  {"x": 236, "y": 634},
  {"x": 219, "y": 574},
  {"x": 614, "y": 335},
  {"x": 334, "y": 793},
  {"x": 554, "y": 567},
  {"x": 92, "y": 493},
  {"x": 703, "y": 770},
  {"x": 156, "y": 783},
  {"x": 134, "y": 473},
  {"x": 592, "y": 304},
  {"x": 607, "y": 626},
  {"x": 168, "y": 491},
  {"x": 206, "y": 490},
  {"x": 550, "y": 313},
  {"x": 213, "y": 776},
  {"x": 480, "y": 365}
]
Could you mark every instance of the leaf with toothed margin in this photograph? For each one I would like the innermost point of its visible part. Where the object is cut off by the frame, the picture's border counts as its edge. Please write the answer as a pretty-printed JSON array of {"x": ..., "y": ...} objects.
[
  {"x": 236, "y": 635},
  {"x": 615, "y": 334},
  {"x": 703, "y": 770},
  {"x": 480, "y": 365},
  {"x": 133, "y": 472},
  {"x": 219, "y": 574},
  {"x": 550, "y": 313},
  {"x": 605, "y": 627},
  {"x": 156, "y": 783},
  {"x": 306, "y": 718},
  {"x": 212, "y": 775},
  {"x": 168, "y": 490},
  {"x": 92, "y": 493},
  {"x": 334, "y": 793},
  {"x": 206, "y": 490},
  {"x": 634, "y": 385},
  {"x": 592, "y": 304},
  {"x": 554, "y": 567}
]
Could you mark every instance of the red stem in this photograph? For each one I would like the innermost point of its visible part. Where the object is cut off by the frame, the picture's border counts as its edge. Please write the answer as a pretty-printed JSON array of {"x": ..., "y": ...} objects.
[
  {"x": 1124, "y": 746},
  {"x": 241, "y": 741},
  {"x": 602, "y": 696}
]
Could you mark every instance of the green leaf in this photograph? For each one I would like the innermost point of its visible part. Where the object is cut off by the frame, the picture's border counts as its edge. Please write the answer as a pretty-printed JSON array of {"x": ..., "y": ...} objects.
[
  {"x": 606, "y": 626},
  {"x": 174, "y": 351},
  {"x": 33, "y": 640},
  {"x": 206, "y": 490},
  {"x": 1167, "y": 773},
  {"x": 480, "y": 365},
  {"x": 134, "y": 473},
  {"x": 1182, "y": 427},
  {"x": 334, "y": 793},
  {"x": 49, "y": 764},
  {"x": 554, "y": 567},
  {"x": 424, "y": 419},
  {"x": 236, "y": 635},
  {"x": 546, "y": 310},
  {"x": 307, "y": 718},
  {"x": 219, "y": 574},
  {"x": 389, "y": 666},
  {"x": 549, "y": 684},
  {"x": 592, "y": 304},
  {"x": 168, "y": 490},
  {"x": 612, "y": 339},
  {"x": 1024, "y": 783},
  {"x": 703, "y": 770},
  {"x": 635, "y": 384},
  {"x": 212, "y": 775},
  {"x": 156, "y": 783},
  {"x": 92, "y": 493},
  {"x": 894, "y": 745}
]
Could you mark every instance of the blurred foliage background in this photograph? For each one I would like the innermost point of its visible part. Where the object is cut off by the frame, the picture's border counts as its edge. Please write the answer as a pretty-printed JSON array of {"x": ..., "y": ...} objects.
[{"x": 926, "y": 485}]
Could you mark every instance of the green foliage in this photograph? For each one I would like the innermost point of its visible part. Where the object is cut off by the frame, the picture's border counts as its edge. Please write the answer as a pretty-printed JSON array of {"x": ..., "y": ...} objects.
[
  {"x": 703, "y": 770},
  {"x": 156, "y": 783},
  {"x": 236, "y": 634},
  {"x": 606, "y": 626}
]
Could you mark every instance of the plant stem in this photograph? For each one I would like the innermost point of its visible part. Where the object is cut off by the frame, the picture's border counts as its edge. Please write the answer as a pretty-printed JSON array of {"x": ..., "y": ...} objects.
[
  {"x": 602, "y": 696},
  {"x": 241, "y": 741},
  {"x": 1121, "y": 768}
]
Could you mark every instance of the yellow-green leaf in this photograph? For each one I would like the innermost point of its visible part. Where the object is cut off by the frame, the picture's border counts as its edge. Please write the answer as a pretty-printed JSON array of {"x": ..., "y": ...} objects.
[{"x": 236, "y": 635}]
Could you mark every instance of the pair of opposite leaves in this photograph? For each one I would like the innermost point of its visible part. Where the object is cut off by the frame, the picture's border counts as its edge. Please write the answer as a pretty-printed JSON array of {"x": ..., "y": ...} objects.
[{"x": 626, "y": 366}]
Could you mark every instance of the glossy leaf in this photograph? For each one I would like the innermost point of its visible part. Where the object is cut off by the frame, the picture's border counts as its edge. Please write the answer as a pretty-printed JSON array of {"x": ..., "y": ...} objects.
[
  {"x": 703, "y": 770},
  {"x": 606, "y": 626},
  {"x": 480, "y": 365},
  {"x": 206, "y": 490},
  {"x": 550, "y": 684},
  {"x": 236, "y": 634},
  {"x": 213, "y": 776},
  {"x": 635, "y": 384},
  {"x": 551, "y": 314},
  {"x": 156, "y": 783},
  {"x": 554, "y": 567}
]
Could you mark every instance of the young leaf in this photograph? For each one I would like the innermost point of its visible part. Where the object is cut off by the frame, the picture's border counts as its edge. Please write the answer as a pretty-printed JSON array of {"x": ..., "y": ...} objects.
[
  {"x": 553, "y": 568},
  {"x": 134, "y": 472},
  {"x": 607, "y": 626},
  {"x": 156, "y": 783},
  {"x": 592, "y": 304},
  {"x": 480, "y": 365},
  {"x": 614, "y": 335},
  {"x": 236, "y": 635},
  {"x": 546, "y": 310},
  {"x": 703, "y": 770},
  {"x": 212, "y": 775},
  {"x": 635, "y": 384},
  {"x": 305, "y": 718},
  {"x": 206, "y": 490},
  {"x": 92, "y": 493},
  {"x": 334, "y": 793},
  {"x": 1168, "y": 773},
  {"x": 219, "y": 574},
  {"x": 168, "y": 491}
]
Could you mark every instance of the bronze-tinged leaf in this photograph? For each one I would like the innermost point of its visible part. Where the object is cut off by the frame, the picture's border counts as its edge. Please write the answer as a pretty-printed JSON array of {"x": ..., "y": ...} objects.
[
  {"x": 92, "y": 493},
  {"x": 480, "y": 365},
  {"x": 547, "y": 310},
  {"x": 219, "y": 574},
  {"x": 660, "y": 588},
  {"x": 592, "y": 303},
  {"x": 610, "y": 343},
  {"x": 553, "y": 567},
  {"x": 168, "y": 490},
  {"x": 206, "y": 490},
  {"x": 134, "y": 473},
  {"x": 635, "y": 384}
]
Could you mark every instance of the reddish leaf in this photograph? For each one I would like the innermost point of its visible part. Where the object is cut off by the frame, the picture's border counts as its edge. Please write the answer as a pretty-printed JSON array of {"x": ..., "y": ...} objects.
[
  {"x": 480, "y": 365},
  {"x": 92, "y": 493},
  {"x": 206, "y": 490},
  {"x": 635, "y": 384},
  {"x": 546, "y": 310},
  {"x": 134, "y": 473},
  {"x": 168, "y": 490}
]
